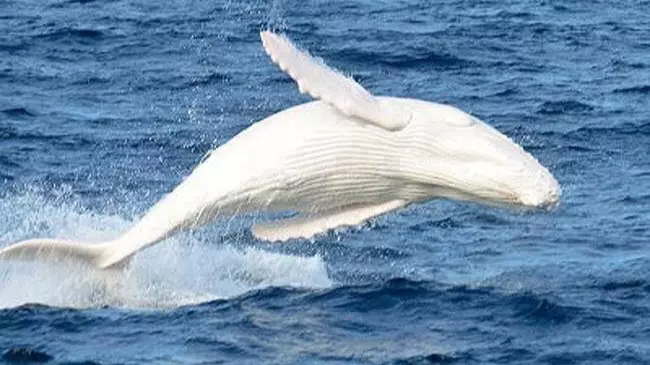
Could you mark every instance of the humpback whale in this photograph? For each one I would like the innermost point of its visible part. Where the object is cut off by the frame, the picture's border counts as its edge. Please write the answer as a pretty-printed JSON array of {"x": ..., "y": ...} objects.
[{"x": 336, "y": 161}]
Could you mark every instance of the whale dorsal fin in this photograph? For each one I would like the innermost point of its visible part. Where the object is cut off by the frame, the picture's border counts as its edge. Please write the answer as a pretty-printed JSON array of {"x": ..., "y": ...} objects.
[{"x": 319, "y": 81}]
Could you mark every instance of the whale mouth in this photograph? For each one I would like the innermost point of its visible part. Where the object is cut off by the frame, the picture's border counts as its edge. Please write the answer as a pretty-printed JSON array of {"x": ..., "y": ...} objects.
[
  {"x": 544, "y": 195},
  {"x": 520, "y": 204},
  {"x": 549, "y": 203}
]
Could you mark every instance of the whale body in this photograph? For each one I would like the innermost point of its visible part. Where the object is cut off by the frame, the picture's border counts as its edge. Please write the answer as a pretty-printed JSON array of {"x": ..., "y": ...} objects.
[{"x": 337, "y": 161}]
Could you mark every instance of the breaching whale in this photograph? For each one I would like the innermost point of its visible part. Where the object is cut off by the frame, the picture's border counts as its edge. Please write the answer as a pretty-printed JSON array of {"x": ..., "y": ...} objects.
[{"x": 336, "y": 161}]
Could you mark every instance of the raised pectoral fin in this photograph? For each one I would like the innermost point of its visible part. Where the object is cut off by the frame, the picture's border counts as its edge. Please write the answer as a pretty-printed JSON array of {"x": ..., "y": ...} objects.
[
  {"x": 315, "y": 78},
  {"x": 306, "y": 226}
]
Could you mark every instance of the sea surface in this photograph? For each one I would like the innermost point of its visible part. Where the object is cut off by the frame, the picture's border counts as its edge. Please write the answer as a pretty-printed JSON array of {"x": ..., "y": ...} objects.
[{"x": 106, "y": 105}]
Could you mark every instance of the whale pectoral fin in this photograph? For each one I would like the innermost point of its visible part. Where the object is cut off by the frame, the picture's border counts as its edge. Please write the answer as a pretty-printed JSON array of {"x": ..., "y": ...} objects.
[
  {"x": 306, "y": 226},
  {"x": 315, "y": 78}
]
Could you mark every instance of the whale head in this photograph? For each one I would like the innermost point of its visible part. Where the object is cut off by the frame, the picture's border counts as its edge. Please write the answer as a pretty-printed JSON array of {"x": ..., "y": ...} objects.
[{"x": 455, "y": 155}]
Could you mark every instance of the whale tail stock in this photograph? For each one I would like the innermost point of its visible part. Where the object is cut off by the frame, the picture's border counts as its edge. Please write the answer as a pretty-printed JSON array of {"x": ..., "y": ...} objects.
[{"x": 106, "y": 255}]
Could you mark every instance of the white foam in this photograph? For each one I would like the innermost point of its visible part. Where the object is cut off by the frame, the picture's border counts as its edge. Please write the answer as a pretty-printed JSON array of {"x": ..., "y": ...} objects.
[{"x": 180, "y": 271}]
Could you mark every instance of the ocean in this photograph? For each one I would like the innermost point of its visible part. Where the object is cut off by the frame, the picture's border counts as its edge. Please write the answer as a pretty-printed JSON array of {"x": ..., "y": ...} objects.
[{"x": 106, "y": 105}]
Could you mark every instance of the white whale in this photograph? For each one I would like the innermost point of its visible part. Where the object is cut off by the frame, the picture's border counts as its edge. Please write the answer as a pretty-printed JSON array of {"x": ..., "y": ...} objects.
[{"x": 337, "y": 161}]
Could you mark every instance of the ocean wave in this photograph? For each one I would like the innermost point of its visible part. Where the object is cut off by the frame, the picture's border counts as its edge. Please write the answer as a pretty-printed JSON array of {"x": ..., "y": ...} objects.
[
  {"x": 94, "y": 80},
  {"x": 506, "y": 92},
  {"x": 83, "y": 2},
  {"x": 415, "y": 297},
  {"x": 640, "y": 89},
  {"x": 542, "y": 310},
  {"x": 637, "y": 199},
  {"x": 624, "y": 64},
  {"x": 413, "y": 58},
  {"x": 626, "y": 284},
  {"x": 425, "y": 59},
  {"x": 564, "y": 106},
  {"x": 588, "y": 133},
  {"x": 17, "y": 112},
  {"x": 209, "y": 79},
  {"x": 67, "y": 34},
  {"x": 25, "y": 355},
  {"x": 16, "y": 46},
  {"x": 432, "y": 358},
  {"x": 444, "y": 223}
]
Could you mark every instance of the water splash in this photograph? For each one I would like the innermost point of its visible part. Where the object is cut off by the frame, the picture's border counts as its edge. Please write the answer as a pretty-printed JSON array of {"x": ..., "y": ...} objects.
[{"x": 180, "y": 271}]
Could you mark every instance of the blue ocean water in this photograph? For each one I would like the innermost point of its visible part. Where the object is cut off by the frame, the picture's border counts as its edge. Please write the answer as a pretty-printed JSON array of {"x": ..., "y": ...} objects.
[{"x": 105, "y": 106}]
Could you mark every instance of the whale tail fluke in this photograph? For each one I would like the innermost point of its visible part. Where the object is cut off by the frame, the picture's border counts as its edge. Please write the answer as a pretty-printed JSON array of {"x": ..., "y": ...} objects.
[{"x": 105, "y": 255}]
